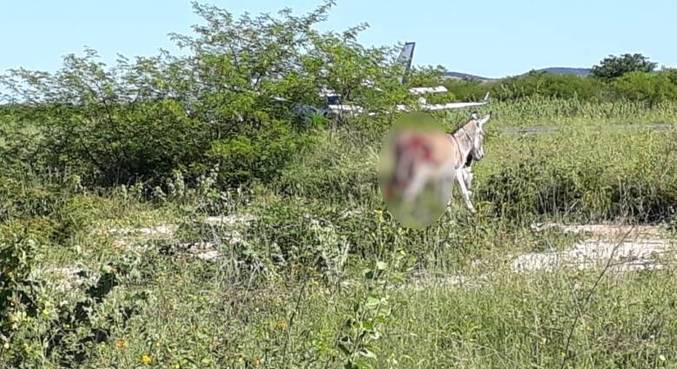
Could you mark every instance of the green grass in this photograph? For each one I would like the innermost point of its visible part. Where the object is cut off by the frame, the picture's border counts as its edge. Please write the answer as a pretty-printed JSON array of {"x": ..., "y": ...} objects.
[{"x": 281, "y": 298}]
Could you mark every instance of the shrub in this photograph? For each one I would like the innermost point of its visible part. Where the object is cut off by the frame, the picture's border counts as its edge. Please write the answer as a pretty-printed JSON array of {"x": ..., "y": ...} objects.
[
  {"x": 548, "y": 85},
  {"x": 230, "y": 101},
  {"x": 468, "y": 90},
  {"x": 263, "y": 156},
  {"x": 28, "y": 197},
  {"x": 651, "y": 88},
  {"x": 37, "y": 324}
]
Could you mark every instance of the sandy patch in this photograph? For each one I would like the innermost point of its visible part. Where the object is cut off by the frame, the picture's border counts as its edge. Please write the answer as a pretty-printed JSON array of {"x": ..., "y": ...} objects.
[
  {"x": 203, "y": 250},
  {"x": 621, "y": 256},
  {"x": 229, "y": 220},
  {"x": 605, "y": 230},
  {"x": 163, "y": 230},
  {"x": 65, "y": 279},
  {"x": 623, "y": 247}
]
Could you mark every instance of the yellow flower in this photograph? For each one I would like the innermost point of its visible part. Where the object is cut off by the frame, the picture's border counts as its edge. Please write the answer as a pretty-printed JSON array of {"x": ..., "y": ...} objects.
[
  {"x": 281, "y": 324},
  {"x": 146, "y": 359},
  {"x": 120, "y": 344}
]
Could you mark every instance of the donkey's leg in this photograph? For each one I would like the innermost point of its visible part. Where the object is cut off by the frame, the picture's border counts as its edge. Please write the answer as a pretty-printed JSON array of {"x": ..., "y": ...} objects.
[
  {"x": 451, "y": 188},
  {"x": 467, "y": 177},
  {"x": 464, "y": 190}
]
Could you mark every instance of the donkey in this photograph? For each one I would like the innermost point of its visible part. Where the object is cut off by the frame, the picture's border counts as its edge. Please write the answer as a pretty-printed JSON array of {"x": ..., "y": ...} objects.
[
  {"x": 422, "y": 158},
  {"x": 469, "y": 141},
  {"x": 471, "y": 156}
]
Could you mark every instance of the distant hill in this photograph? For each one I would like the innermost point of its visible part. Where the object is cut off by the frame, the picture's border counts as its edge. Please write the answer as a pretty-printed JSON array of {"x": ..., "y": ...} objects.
[
  {"x": 583, "y": 72},
  {"x": 465, "y": 76}
]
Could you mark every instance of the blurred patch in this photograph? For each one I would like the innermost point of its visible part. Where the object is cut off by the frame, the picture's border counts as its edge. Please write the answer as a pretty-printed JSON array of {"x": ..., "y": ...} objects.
[{"x": 413, "y": 170}]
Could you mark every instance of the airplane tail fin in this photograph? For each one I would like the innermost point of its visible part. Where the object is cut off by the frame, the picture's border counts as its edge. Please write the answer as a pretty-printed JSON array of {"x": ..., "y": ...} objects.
[{"x": 405, "y": 58}]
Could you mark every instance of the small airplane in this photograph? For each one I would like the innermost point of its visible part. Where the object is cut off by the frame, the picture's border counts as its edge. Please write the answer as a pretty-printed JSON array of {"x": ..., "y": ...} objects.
[{"x": 335, "y": 107}]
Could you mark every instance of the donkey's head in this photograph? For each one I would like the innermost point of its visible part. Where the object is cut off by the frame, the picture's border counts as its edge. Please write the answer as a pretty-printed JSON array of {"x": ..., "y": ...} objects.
[{"x": 477, "y": 125}]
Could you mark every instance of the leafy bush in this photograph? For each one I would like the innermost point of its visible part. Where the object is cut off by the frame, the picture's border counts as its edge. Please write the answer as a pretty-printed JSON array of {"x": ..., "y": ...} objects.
[
  {"x": 242, "y": 158},
  {"x": 647, "y": 87},
  {"x": 39, "y": 324},
  {"x": 21, "y": 297},
  {"x": 651, "y": 88},
  {"x": 29, "y": 197},
  {"x": 468, "y": 90},
  {"x": 549, "y": 85},
  {"x": 230, "y": 101}
]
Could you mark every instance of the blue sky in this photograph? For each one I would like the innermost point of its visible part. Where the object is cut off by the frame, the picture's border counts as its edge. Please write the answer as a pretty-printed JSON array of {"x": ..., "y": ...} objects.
[{"x": 492, "y": 38}]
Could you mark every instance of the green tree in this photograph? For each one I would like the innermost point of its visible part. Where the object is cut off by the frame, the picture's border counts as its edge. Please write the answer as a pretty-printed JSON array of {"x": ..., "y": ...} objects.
[
  {"x": 613, "y": 67},
  {"x": 228, "y": 101}
]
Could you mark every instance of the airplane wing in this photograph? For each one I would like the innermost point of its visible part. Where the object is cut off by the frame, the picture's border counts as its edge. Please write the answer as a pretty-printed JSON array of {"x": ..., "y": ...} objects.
[
  {"x": 447, "y": 106},
  {"x": 346, "y": 108},
  {"x": 456, "y": 105},
  {"x": 427, "y": 90}
]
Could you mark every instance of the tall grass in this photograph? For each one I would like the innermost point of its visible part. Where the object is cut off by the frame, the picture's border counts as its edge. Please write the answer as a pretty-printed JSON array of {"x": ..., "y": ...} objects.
[
  {"x": 545, "y": 111},
  {"x": 585, "y": 173}
]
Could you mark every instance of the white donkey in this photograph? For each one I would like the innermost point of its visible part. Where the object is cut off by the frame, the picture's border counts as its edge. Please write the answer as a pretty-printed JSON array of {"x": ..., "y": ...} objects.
[
  {"x": 475, "y": 154},
  {"x": 423, "y": 158}
]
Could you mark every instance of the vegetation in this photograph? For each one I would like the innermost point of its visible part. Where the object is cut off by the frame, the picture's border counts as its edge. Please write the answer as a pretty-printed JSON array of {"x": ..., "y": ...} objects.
[
  {"x": 171, "y": 212},
  {"x": 140, "y": 120},
  {"x": 636, "y": 87},
  {"x": 617, "y": 79},
  {"x": 617, "y": 66}
]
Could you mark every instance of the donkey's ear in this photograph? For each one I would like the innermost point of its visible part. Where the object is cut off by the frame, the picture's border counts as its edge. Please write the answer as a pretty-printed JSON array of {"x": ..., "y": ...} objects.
[{"x": 485, "y": 119}]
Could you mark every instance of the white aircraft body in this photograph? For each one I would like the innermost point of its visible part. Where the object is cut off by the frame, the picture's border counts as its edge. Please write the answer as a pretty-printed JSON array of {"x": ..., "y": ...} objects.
[{"x": 335, "y": 106}]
